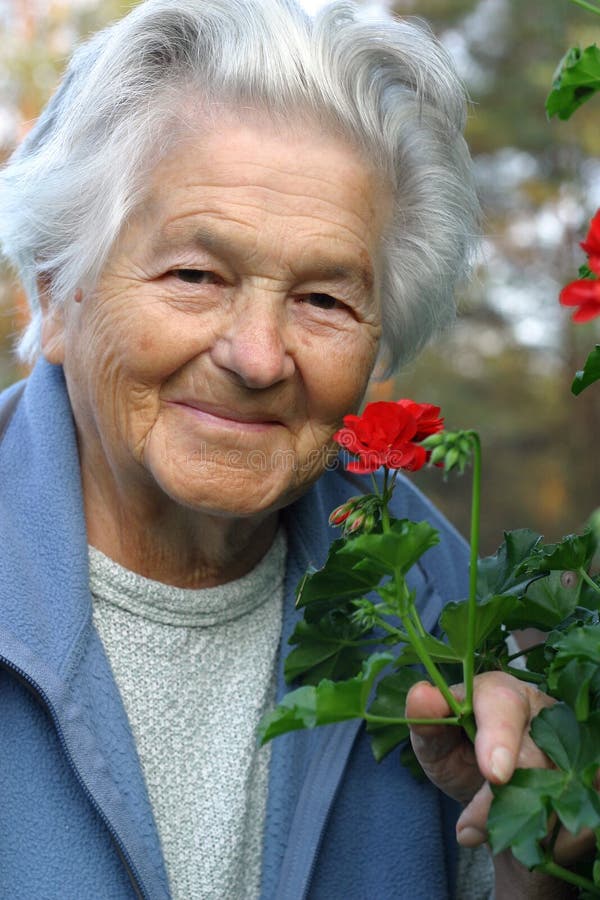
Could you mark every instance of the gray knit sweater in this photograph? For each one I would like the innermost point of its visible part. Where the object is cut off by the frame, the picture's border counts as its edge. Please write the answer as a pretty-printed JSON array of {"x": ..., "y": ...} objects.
[{"x": 195, "y": 730}]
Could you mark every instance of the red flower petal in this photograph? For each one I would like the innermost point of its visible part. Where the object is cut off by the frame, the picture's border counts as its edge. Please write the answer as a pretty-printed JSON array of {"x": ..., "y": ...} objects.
[
  {"x": 584, "y": 293},
  {"x": 586, "y": 313},
  {"x": 594, "y": 263},
  {"x": 427, "y": 416},
  {"x": 386, "y": 434},
  {"x": 591, "y": 245}
]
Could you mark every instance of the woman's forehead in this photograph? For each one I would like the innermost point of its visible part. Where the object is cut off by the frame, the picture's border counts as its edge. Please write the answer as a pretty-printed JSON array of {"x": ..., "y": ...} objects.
[{"x": 240, "y": 175}]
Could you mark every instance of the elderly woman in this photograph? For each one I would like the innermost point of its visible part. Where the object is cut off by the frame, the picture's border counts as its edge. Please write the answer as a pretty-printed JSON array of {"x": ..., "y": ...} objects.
[{"x": 227, "y": 214}]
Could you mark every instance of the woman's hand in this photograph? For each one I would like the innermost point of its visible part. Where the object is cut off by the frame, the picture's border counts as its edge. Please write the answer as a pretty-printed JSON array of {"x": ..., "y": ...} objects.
[{"x": 503, "y": 708}]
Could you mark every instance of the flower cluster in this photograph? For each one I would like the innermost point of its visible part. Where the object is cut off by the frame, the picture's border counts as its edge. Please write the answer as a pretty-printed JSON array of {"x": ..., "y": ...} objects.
[
  {"x": 585, "y": 292},
  {"x": 389, "y": 434},
  {"x": 358, "y": 515}
]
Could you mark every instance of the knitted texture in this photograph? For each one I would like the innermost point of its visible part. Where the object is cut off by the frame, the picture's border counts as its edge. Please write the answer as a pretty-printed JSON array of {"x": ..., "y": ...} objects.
[{"x": 195, "y": 669}]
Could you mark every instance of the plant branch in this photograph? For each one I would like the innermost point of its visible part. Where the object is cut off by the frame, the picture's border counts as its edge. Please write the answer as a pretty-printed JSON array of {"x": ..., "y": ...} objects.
[
  {"x": 588, "y": 580},
  {"x": 417, "y": 621},
  {"x": 468, "y": 662},
  {"x": 589, "y": 6},
  {"x": 385, "y": 720},
  {"x": 391, "y": 629},
  {"x": 374, "y": 483},
  {"x": 556, "y": 871},
  {"x": 385, "y": 515},
  {"x": 524, "y": 675},
  {"x": 432, "y": 669},
  {"x": 525, "y": 651}
]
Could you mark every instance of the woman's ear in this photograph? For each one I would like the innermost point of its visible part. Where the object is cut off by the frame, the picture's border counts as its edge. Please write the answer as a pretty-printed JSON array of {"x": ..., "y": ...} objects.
[{"x": 53, "y": 323}]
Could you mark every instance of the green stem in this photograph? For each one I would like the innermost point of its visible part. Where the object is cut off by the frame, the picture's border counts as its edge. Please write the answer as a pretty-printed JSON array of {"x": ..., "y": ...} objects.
[
  {"x": 468, "y": 662},
  {"x": 416, "y": 620},
  {"x": 391, "y": 629},
  {"x": 375, "y": 488},
  {"x": 432, "y": 669},
  {"x": 589, "y": 580},
  {"x": 385, "y": 515},
  {"x": 556, "y": 871},
  {"x": 524, "y": 652},
  {"x": 524, "y": 675},
  {"x": 585, "y": 5},
  {"x": 385, "y": 720}
]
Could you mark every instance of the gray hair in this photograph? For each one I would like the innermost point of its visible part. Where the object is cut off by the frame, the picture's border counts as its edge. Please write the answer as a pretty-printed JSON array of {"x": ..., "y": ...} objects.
[{"x": 385, "y": 84}]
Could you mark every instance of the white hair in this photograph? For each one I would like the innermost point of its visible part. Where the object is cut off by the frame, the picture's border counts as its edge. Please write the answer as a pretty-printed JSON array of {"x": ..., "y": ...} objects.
[{"x": 385, "y": 84}]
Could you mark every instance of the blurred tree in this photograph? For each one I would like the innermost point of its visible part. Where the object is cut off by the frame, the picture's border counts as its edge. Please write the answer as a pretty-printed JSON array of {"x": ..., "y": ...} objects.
[{"x": 508, "y": 365}]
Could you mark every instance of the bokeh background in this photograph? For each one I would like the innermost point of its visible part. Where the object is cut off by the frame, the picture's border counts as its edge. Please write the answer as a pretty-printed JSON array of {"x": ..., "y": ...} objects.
[{"x": 507, "y": 366}]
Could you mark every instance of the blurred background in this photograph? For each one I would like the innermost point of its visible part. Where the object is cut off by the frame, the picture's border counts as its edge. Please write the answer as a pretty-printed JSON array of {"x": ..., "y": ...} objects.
[{"x": 507, "y": 366}]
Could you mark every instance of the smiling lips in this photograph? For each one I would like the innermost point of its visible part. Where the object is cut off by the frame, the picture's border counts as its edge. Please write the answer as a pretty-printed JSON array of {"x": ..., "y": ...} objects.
[{"x": 226, "y": 418}]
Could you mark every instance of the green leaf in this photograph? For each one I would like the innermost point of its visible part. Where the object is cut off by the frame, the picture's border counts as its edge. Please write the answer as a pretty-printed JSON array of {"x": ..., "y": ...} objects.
[
  {"x": 390, "y": 702},
  {"x": 573, "y": 746},
  {"x": 573, "y": 672},
  {"x": 576, "y": 79},
  {"x": 355, "y": 567},
  {"x": 547, "y": 602},
  {"x": 386, "y": 739},
  {"x": 556, "y": 731},
  {"x": 328, "y": 702},
  {"x": 575, "y": 684},
  {"x": 581, "y": 642},
  {"x": 518, "y": 816},
  {"x": 438, "y": 650},
  {"x": 296, "y": 710},
  {"x": 325, "y": 649},
  {"x": 575, "y": 551},
  {"x": 491, "y": 613},
  {"x": 500, "y": 573},
  {"x": 577, "y": 806},
  {"x": 341, "y": 579},
  {"x": 396, "y": 550},
  {"x": 589, "y": 374}
]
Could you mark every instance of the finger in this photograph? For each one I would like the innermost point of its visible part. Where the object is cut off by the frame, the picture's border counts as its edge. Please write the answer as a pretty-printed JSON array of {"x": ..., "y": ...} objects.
[
  {"x": 503, "y": 708},
  {"x": 445, "y": 753},
  {"x": 424, "y": 701},
  {"x": 430, "y": 742},
  {"x": 471, "y": 827}
]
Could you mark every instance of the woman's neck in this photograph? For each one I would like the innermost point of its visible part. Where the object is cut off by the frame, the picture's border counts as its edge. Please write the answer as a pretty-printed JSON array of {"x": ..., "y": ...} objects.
[{"x": 172, "y": 544}]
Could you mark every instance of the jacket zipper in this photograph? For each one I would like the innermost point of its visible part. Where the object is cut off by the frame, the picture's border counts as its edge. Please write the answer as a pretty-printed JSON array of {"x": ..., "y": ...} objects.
[{"x": 121, "y": 850}]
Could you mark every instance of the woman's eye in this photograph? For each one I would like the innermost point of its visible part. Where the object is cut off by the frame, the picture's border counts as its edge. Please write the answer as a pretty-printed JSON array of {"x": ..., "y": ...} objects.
[
  {"x": 196, "y": 276},
  {"x": 323, "y": 301}
]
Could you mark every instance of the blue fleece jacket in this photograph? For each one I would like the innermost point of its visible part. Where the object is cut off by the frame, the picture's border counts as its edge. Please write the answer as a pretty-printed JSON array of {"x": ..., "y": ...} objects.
[{"x": 75, "y": 819}]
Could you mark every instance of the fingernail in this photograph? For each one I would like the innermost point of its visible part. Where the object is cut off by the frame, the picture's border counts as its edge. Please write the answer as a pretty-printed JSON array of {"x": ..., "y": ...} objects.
[
  {"x": 501, "y": 764},
  {"x": 470, "y": 836}
]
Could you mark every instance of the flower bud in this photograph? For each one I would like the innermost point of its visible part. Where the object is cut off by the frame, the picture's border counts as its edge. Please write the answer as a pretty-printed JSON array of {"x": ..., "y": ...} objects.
[
  {"x": 354, "y": 523},
  {"x": 341, "y": 513}
]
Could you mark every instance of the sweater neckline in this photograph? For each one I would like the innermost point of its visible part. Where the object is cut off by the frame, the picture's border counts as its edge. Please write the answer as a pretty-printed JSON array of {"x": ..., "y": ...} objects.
[{"x": 188, "y": 607}]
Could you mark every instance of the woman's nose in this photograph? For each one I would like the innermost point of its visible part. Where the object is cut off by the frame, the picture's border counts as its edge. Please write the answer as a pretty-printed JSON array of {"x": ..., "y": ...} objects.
[{"x": 254, "y": 347}]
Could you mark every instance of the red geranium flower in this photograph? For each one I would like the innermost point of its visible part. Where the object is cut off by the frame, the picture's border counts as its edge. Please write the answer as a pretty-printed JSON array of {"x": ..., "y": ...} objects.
[
  {"x": 386, "y": 434},
  {"x": 591, "y": 245},
  {"x": 584, "y": 293},
  {"x": 427, "y": 416}
]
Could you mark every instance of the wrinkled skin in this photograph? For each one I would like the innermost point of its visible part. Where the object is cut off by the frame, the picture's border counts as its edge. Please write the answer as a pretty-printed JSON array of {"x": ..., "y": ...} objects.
[{"x": 235, "y": 323}]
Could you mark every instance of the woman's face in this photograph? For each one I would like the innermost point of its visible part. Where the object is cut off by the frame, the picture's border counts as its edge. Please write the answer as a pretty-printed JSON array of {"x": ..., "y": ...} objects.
[{"x": 236, "y": 321}]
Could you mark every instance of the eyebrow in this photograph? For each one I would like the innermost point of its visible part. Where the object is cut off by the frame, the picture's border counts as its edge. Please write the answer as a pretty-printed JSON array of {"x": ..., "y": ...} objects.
[{"x": 207, "y": 239}]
